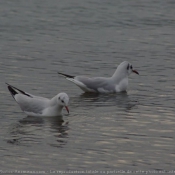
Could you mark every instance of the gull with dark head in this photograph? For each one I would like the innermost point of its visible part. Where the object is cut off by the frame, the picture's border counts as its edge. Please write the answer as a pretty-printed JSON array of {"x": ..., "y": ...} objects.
[
  {"x": 117, "y": 83},
  {"x": 39, "y": 106}
]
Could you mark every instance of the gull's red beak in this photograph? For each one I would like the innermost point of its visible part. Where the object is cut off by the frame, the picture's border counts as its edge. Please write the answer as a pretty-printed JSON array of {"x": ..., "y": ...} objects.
[
  {"x": 135, "y": 72},
  {"x": 67, "y": 109}
]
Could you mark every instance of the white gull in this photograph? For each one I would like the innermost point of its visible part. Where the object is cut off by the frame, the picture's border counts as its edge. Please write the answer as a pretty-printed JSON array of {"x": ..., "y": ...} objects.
[
  {"x": 117, "y": 83},
  {"x": 39, "y": 106}
]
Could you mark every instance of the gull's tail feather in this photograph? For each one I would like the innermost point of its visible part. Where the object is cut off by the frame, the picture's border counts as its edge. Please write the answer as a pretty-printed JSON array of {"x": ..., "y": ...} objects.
[{"x": 65, "y": 75}]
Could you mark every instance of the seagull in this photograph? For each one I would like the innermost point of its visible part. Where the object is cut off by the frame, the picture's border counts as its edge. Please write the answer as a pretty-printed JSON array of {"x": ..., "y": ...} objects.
[
  {"x": 39, "y": 106},
  {"x": 117, "y": 83}
]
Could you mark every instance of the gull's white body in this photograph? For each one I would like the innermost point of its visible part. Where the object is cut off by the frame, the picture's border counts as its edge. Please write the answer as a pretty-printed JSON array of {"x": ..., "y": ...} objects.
[
  {"x": 117, "y": 83},
  {"x": 39, "y": 106}
]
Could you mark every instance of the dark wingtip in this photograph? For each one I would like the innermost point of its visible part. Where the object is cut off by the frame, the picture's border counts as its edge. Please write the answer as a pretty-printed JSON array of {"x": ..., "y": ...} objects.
[
  {"x": 68, "y": 76},
  {"x": 12, "y": 91}
]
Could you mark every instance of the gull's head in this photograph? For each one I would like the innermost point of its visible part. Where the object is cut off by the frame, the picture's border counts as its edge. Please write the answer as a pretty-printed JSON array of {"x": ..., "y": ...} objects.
[
  {"x": 63, "y": 100},
  {"x": 127, "y": 67}
]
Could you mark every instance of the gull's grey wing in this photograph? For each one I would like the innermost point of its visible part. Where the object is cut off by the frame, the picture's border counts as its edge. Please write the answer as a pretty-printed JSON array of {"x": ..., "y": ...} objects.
[
  {"x": 97, "y": 83},
  {"x": 28, "y": 104}
]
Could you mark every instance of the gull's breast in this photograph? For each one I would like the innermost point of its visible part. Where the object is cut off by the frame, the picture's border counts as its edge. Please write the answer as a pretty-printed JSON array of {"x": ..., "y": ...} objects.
[{"x": 122, "y": 86}]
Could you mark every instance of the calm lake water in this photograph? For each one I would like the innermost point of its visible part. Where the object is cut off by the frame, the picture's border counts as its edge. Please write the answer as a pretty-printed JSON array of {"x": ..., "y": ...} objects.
[{"x": 125, "y": 131}]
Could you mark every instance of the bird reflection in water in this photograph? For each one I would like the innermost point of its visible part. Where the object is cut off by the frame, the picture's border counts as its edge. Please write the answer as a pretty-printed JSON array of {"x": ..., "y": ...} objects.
[
  {"x": 60, "y": 130},
  {"x": 32, "y": 130}
]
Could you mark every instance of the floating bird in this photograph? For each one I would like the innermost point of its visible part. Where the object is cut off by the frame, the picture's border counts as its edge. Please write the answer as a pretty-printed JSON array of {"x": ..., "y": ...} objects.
[
  {"x": 39, "y": 106},
  {"x": 117, "y": 83}
]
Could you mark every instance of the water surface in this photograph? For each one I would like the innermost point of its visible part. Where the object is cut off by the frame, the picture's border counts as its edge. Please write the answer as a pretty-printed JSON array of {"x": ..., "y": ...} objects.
[{"x": 124, "y": 131}]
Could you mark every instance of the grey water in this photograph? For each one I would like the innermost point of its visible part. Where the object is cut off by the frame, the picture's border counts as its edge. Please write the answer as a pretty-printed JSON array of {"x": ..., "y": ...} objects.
[{"x": 124, "y": 131}]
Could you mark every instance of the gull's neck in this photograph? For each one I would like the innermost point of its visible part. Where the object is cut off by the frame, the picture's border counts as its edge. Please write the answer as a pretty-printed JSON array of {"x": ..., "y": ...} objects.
[
  {"x": 53, "y": 103},
  {"x": 119, "y": 75}
]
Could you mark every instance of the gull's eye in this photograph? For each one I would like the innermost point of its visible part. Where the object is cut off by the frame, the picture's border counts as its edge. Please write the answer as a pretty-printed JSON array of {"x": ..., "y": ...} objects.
[
  {"x": 59, "y": 98},
  {"x": 128, "y": 67},
  {"x": 131, "y": 66}
]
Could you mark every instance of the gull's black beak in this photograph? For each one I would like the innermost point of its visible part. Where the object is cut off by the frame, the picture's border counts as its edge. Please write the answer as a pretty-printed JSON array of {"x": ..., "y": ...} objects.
[
  {"x": 135, "y": 72},
  {"x": 67, "y": 109}
]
